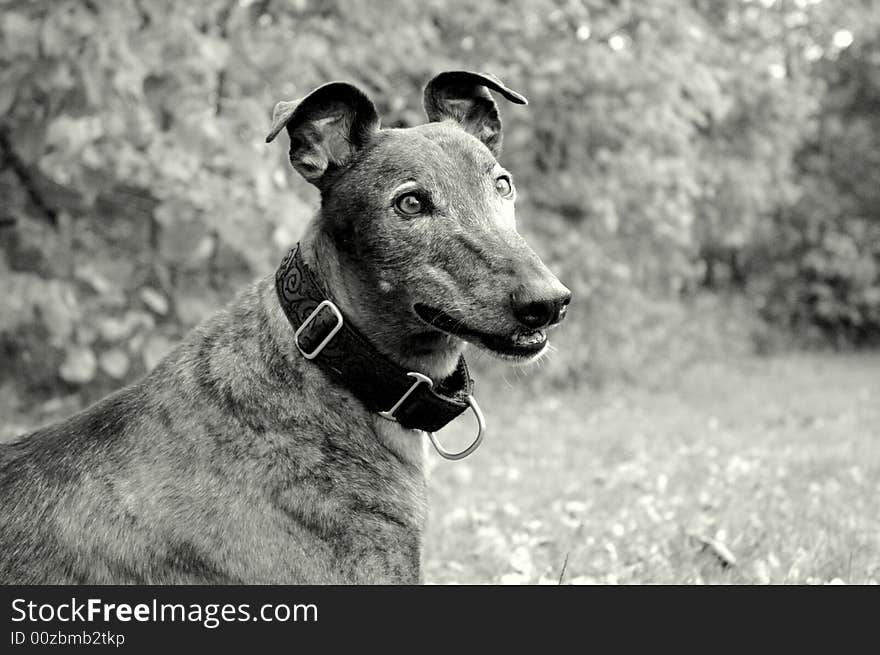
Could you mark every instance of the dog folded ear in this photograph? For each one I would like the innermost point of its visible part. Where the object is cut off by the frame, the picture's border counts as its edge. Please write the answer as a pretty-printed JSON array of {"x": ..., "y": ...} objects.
[
  {"x": 464, "y": 97},
  {"x": 326, "y": 128}
]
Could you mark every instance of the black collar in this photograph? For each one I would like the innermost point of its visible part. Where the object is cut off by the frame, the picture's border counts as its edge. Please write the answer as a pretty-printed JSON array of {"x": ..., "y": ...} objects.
[{"x": 325, "y": 337}]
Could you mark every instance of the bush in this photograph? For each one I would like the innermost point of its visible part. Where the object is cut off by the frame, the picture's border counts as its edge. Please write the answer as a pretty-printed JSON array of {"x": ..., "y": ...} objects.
[
  {"x": 824, "y": 280},
  {"x": 138, "y": 192}
]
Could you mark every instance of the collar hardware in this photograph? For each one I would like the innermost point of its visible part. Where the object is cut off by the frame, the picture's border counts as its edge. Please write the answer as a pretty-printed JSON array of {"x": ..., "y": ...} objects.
[
  {"x": 311, "y": 317},
  {"x": 420, "y": 379},
  {"x": 322, "y": 335},
  {"x": 481, "y": 428}
]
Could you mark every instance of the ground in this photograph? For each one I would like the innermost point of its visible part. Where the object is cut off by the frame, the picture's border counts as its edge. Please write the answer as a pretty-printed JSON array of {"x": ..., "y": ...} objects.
[
  {"x": 745, "y": 471},
  {"x": 748, "y": 470}
]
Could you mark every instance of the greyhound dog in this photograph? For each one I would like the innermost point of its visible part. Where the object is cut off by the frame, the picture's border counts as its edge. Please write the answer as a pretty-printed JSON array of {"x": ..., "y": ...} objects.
[{"x": 283, "y": 440}]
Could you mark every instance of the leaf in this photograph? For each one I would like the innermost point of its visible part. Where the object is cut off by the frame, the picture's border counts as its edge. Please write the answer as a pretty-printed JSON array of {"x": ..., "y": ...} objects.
[
  {"x": 762, "y": 572},
  {"x": 80, "y": 365},
  {"x": 19, "y": 35},
  {"x": 583, "y": 580},
  {"x": 154, "y": 300},
  {"x": 521, "y": 561},
  {"x": 513, "y": 579},
  {"x": 155, "y": 349},
  {"x": 114, "y": 362},
  {"x": 8, "y": 92},
  {"x": 717, "y": 548}
]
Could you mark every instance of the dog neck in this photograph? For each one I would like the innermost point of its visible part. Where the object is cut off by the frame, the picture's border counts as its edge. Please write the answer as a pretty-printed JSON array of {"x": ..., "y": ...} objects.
[{"x": 429, "y": 352}]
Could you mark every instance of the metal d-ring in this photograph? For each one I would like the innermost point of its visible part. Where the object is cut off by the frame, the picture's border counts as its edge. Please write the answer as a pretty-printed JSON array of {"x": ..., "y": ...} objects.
[{"x": 481, "y": 428}]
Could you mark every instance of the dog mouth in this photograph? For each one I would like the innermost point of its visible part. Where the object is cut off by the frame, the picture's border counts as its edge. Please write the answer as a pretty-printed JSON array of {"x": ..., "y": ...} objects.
[{"x": 517, "y": 345}]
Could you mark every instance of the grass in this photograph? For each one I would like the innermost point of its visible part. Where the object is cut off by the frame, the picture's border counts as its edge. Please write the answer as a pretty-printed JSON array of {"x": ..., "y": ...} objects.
[
  {"x": 751, "y": 471},
  {"x": 741, "y": 471}
]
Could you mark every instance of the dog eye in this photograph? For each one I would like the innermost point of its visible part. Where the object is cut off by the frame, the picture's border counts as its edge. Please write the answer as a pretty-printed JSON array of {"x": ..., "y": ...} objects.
[
  {"x": 409, "y": 204},
  {"x": 503, "y": 185}
]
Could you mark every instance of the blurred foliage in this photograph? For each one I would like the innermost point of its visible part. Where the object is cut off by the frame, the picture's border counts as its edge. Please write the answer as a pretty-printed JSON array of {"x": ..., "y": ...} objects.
[
  {"x": 826, "y": 277},
  {"x": 669, "y": 146}
]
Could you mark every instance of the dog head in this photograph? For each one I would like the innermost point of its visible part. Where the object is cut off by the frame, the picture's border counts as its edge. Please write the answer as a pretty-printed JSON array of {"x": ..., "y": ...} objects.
[{"x": 421, "y": 221}]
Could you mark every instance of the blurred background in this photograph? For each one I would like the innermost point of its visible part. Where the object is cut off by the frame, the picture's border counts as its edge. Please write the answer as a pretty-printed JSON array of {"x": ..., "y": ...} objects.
[{"x": 703, "y": 174}]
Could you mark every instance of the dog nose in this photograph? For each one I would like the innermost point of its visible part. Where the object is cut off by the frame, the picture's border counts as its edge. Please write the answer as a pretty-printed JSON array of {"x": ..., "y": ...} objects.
[{"x": 541, "y": 312}]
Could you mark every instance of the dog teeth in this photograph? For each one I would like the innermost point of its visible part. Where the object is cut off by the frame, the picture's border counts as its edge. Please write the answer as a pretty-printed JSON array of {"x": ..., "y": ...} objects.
[{"x": 530, "y": 339}]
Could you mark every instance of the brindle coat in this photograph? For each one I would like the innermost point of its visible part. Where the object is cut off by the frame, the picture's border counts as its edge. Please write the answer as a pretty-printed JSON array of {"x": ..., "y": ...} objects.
[{"x": 238, "y": 461}]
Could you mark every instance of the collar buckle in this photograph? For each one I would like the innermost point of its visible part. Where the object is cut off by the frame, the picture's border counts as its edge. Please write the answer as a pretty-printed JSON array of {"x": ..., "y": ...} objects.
[{"x": 311, "y": 317}]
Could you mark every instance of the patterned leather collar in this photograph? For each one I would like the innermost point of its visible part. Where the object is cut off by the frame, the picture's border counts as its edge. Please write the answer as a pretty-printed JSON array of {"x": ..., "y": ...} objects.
[{"x": 326, "y": 338}]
